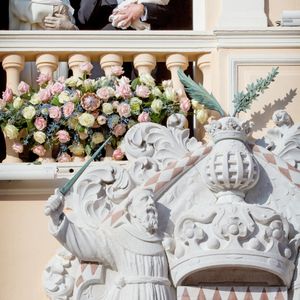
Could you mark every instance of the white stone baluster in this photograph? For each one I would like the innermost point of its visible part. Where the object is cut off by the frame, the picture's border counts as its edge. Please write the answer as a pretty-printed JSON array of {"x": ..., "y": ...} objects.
[
  {"x": 173, "y": 63},
  {"x": 75, "y": 61},
  {"x": 144, "y": 63},
  {"x": 204, "y": 64},
  {"x": 110, "y": 60},
  {"x": 47, "y": 63},
  {"x": 13, "y": 64}
]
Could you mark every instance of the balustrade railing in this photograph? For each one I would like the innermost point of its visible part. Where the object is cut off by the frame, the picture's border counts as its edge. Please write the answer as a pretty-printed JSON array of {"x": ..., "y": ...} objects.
[{"x": 175, "y": 49}]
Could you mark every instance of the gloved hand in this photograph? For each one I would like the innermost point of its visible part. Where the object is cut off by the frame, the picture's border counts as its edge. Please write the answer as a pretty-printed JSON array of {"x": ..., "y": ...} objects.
[{"x": 59, "y": 22}]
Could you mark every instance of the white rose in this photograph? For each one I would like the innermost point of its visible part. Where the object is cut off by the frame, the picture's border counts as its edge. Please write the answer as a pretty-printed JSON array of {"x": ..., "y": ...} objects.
[
  {"x": 39, "y": 137},
  {"x": 156, "y": 92},
  {"x": 170, "y": 94},
  {"x": 71, "y": 81},
  {"x": 28, "y": 112},
  {"x": 89, "y": 84},
  {"x": 107, "y": 108},
  {"x": 11, "y": 131},
  {"x": 157, "y": 105},
  {"x": 64, "y": 97},
  {"x": 18, "y": 102},
  {"x": 147, "y": 79},
  {"x": 35, "y": 99},
  {"x": 86, "y": 120}
]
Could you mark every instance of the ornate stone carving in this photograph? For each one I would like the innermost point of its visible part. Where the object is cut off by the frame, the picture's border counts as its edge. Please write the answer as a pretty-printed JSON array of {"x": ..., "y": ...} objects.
[{"x": 223, "y": 215}]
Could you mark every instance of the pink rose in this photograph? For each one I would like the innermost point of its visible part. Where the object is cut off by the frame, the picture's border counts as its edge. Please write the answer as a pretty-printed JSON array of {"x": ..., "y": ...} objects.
[
  {"x": 40, "y": 123},
  {"x": 119, "y": 130},
  {"x": 103, "y": 93},
  {"x": 86, "y": 67},
  {"x": 23, "y": 88},
  {"x": 45, "y": 95},
  {"x": 43, "y": 78},
  {"x": 101, "y": 120},
  {"x": 54, "y": 112},
  {"x": 124, "y": 110},
  {"x": 142, "y": 91},
  {"x": 17, "y": 147},
  {"x": 123, "y": 90},
  {"x": 63, "y": 136},
  {"x": 185, "y": 105},
  {"x": 64, "y": 157},
  {"x": 68, "y": 109},
  {"x": 39, "y": 150},
  {"x": 118, "y": 154},
  {"x": 117, "y": 70},
  {"x": 57, "y": 88},
  {"x": 144, "y": 117},
  {"x": 115, "y": 104},
  {"x": 7, "y": 95}
]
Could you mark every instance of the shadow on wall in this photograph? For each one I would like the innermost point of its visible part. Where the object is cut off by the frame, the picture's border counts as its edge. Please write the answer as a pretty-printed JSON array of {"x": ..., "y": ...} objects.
[
  {"x": 3, "y": 26},
  {"x": 262, "y": 117}
]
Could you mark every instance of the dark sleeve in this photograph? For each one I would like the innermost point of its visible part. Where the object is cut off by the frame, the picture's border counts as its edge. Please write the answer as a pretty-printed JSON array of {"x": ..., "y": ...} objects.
[{"x": 157, "y": 15}]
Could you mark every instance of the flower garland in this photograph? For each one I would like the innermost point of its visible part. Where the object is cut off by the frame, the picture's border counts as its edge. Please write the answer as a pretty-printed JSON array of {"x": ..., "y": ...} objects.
[{"x": 76, "y": 115}]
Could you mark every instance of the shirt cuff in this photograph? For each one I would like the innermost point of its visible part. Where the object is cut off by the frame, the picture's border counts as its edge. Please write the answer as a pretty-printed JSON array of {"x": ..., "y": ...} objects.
[{"x": 144, "y": 17}]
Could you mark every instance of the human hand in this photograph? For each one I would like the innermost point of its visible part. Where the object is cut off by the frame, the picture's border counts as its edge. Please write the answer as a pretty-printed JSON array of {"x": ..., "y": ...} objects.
[
  {"x": 58, "y": 22},
  {"x": 54, "y": 206},
  {"x": 127, "y": 14}
]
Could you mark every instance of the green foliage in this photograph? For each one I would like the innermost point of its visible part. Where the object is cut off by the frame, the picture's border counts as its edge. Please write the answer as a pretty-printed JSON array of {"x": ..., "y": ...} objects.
[
  {"x": 199, "y": 93},
  {"x": 242, "y": 101}
]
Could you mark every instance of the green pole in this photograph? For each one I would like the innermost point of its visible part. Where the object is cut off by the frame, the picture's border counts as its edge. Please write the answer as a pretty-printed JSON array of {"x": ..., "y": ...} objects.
[{"x": 65, "y": 189}]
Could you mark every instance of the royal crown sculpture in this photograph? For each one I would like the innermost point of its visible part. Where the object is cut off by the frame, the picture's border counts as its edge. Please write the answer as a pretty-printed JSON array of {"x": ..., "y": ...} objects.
[{"x": 182, "y": 214}]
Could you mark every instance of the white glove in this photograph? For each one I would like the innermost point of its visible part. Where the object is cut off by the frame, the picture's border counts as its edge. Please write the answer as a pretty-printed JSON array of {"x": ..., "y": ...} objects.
[{"x": 59, "y": 22}]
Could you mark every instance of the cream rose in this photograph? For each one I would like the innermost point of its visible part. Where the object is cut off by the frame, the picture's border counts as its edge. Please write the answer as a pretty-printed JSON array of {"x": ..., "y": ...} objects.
[
  {"x": 86, "y": 120},
  {"x": 40, "y": 137},
  {"x": 11, "y": 131},
  {"x": 147, "y": 79},
  {"x": 201, "y": 116},
  {"x": 97, "y": 138},
  {"x": 157, "y": 105},
  {"x": 64, "y": 97},
  {"x": 35, "y": 99},
  {"x": 18, "y": 102},
  {"x": 28, "y": 112},
  {"x": 107, "y": 108}
]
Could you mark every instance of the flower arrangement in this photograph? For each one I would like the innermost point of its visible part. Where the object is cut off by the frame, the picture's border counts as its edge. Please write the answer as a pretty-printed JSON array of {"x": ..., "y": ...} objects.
[{"x": 76, "y": 115}]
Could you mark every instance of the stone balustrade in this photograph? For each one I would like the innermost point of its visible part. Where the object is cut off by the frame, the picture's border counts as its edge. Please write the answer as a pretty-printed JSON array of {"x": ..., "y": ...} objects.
[{"x": 143, "y": 60}]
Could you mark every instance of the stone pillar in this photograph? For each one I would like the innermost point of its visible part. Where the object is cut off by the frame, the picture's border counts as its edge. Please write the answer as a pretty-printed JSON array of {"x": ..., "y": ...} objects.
[
  {"x": 47, "y": 63},
  {"x": 110, "y": 60},
  {"x": 75, "y": 61},
  {"x": 173, "y": 63},
  {"x": 199, "y": 15},
  {"x": 144, "y": 63},
  {"x": 238, "y": 14},
  {"x": 13, "y": 64}
]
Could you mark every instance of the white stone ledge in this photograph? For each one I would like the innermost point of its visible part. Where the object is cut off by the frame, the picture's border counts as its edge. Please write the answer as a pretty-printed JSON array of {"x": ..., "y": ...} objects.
[{"x": 128, "y": 43}]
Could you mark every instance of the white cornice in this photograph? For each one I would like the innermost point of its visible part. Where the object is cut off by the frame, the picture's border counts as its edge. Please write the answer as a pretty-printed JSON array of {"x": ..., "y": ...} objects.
[{"x": 129, "y": 43}]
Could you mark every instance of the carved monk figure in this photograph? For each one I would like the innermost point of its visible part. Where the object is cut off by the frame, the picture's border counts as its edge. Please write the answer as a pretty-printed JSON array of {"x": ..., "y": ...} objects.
[{"x": 132, "y": 248}]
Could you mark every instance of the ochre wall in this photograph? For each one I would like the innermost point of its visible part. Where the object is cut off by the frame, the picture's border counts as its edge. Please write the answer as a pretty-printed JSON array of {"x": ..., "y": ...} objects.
[{"x": 26, "y": 247}]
